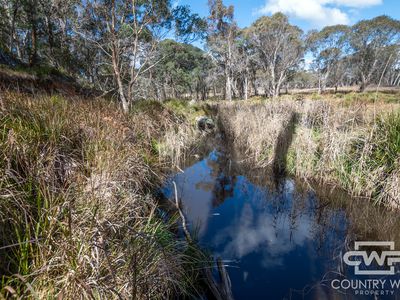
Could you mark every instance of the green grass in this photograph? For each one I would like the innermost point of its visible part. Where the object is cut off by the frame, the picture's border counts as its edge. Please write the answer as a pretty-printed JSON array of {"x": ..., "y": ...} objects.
[
  {"x": 147, "y": 106},
  {"x": 380, "y": 151},
  {"x": 187, "y": 110},
  {"x": 316, "y": 96},
  {"x": 371, "y": 97},
  {"x": 40, "y": 70},
  {"x": 386, "y": 150}
]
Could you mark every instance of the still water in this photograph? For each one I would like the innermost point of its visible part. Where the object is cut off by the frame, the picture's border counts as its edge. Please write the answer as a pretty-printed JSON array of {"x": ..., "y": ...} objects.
[{"x": 278, "y": 239}]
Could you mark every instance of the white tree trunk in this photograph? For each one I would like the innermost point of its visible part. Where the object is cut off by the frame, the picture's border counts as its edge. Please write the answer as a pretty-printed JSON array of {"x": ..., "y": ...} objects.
[
  {"x": 246, "y": 88},
  {"x": 228, "y": 87}
]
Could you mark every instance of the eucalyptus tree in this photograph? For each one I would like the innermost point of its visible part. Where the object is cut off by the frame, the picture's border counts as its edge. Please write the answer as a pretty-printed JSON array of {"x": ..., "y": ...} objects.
[
  {"x": 280, "y": 47},
  {"x": 9, "y": 18},
  {"x": 370, "y": 41},
  {"x": 244, "y": 66},
  {"x": 182, "y": 70},
  {"x": 392, "y": 77},
  {"x": 241, "y": 69},
  {"x": 57, "y": 43},
  {"x": 39, "y": 32},
  {"x": 30, "y": 8},
  {"x": 127, "y": 34},
  {"x": 329, "y": 46},
  {"x": 19, "y": 28},
  {"x": 222, "y": 32}
]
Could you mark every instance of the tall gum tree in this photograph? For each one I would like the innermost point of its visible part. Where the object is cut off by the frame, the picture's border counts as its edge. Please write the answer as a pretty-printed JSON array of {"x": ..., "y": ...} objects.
[
  {"x": 280, "y": 47},
  {"x": 328, "y": 46},
  {"x": 127, "y": 33},
  {"x": 222, "y": 32},
  {"x": 370, "y": 40}
]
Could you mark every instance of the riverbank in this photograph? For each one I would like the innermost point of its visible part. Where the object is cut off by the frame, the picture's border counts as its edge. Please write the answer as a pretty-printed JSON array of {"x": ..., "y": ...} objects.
[
  {"x": 353, "y": 144},
  {"x": 77, "y": 211},
  {"x": 260, "y": 228}
]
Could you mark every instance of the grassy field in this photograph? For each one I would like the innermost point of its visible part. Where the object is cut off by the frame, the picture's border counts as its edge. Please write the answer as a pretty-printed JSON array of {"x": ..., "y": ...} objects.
[
  {"x": 350, "y": 140},
  {"x": 77, "y": 215}
]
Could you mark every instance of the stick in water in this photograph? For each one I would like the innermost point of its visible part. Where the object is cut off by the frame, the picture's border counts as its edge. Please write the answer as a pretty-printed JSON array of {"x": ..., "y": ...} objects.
[
  {"x": 178, "y": 206},
  {"x": 221, "y": 291}
]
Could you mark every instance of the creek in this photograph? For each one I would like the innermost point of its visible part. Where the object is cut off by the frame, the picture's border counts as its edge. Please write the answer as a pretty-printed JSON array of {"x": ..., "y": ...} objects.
[{"x": 279, "y": 238}]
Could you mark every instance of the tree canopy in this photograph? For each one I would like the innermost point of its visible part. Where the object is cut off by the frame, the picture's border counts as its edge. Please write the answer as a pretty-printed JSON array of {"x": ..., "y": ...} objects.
[{"x": 140, "y": 49}]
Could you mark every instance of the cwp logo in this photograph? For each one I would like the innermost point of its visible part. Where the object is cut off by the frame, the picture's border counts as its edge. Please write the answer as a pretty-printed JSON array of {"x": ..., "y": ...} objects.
[{"x": 388, "y": 258}]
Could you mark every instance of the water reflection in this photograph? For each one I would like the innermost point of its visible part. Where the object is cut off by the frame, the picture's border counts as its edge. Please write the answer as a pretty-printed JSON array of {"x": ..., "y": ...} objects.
[
  {"x": 282, "y": 239},
  {"x": 271, "y": 235}
]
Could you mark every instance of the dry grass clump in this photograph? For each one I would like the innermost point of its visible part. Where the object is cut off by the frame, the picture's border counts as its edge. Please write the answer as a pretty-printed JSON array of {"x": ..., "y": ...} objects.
[
  {"x": 255, "y": 128},
  {"x": 355, "y": 146},
  {"x": 391, "y": 189},
  {"x": 76, "y": 219},
  {"x": 178, "y": 140},
  {"x": 176, "y": 144}
]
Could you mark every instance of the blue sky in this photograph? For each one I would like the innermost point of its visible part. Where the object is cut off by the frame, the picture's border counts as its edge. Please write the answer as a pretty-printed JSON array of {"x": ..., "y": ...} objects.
[{"x": 307, "y": 14}]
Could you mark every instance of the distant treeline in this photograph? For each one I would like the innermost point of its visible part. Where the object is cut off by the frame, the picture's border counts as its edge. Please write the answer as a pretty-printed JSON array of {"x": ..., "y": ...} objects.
[{"x": 124, "y": 48}]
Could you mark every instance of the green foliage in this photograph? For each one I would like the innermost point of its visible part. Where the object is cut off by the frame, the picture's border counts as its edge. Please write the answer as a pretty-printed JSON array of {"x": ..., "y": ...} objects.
[
  {"x": 189, "y": 111},
  {"x": 279, "y": 46},
  {"x": 381, "y": 153},
  {"x": 221, "y": 18},
  {"x": 147, "y": 106},
  {"x": 183, "y": 67},
  {"x": 188, "y": 26},
  {"x": 370, "y": 41},
  {"x": 387, "y": 142}
]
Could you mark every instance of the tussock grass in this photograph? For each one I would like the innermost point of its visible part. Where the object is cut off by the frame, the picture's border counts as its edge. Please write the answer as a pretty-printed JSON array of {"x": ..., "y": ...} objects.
[
  {"x": 353, "y": 145},
  {"x": 179, "y": 141},
  {"x": 77, "y": 219},
  {"x": 255, "y": 128}
]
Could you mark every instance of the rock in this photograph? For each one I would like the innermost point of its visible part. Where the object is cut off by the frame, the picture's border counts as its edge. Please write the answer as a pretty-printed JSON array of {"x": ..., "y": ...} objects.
[{"x": 205, "y": 123}]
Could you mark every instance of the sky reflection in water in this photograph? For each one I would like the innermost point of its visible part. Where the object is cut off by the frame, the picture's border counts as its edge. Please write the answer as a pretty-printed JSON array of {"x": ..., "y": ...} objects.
[{"x": 280, "y": 241}]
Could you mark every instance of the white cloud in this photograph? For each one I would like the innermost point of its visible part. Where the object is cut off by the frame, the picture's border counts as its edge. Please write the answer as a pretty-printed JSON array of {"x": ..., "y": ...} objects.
[
  {"x": 354, "y": 3},
  {"x": 319, "y": 12}
]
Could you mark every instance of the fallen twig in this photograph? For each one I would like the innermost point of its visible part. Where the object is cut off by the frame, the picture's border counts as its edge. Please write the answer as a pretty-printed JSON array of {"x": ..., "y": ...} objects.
[{"x": 222, "y": 290}]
